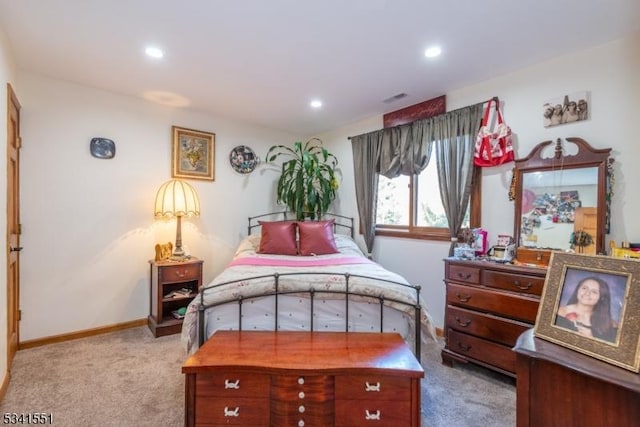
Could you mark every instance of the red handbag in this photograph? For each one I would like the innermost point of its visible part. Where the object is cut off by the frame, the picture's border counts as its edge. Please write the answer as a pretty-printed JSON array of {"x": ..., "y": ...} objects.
[{"x": 493, "y": 146}]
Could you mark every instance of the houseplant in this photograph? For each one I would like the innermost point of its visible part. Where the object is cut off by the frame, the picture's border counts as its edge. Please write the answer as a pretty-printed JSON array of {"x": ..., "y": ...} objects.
[{"x": 307, "y": 184}]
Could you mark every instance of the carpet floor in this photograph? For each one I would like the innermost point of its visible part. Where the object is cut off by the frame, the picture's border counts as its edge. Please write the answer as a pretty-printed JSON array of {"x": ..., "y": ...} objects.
[{"x": 129, "y": 378}]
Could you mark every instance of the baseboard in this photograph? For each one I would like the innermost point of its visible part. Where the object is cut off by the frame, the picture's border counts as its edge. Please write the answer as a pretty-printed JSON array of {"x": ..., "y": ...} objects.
[
  {"x": 5, "y": 385},
  {"x": 81, "y": 334}
]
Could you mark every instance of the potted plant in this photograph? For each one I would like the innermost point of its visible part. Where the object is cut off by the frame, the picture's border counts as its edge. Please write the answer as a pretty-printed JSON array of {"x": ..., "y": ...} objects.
[{"x": 307, "y": 184}]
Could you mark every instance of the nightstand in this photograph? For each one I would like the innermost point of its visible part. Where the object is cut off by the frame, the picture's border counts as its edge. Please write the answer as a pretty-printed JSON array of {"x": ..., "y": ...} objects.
[{"x": 174, "y": 284}]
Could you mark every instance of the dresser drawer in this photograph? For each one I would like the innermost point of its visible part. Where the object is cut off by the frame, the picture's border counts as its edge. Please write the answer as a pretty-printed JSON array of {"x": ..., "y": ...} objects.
[
  {"x": 231, "y": 384},
  {"x": 494, "y": 328},
  {"x": 372, "y": 387},
  {"x": 293, "y": 388},
  {"x": 180, "y": 273},
  {"x": 513, "y": 282},
  {"x": 463, "y": 273},
  {"x": 310, "y": 413},
  {"x": 239, "y": 411},
  {"x": 482, "y": 350},
  {"x": 513, "y": 306},
  {"x": 356, "y": 413}
]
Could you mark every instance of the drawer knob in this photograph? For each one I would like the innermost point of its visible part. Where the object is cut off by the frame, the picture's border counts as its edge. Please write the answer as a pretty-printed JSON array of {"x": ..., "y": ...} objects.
[
  {"x": 463, "y": 298},
  {"x": 464, "y": 347},
  {"x": 233, "y": 385},
  {"x": 463, "y": 323},
  {"x": 371, "y": 387},
  {"x": 523, "y": 287},
  {"x": 182, "y": 274},
  {"x": 301, "y": 423},
  {"x": 301, "y": 395},
  {"x": 301, "y": 409},
  {"x": 369, "y": 416},
  {"x": 229, "y": 413},
  {"x": 464, "y": 276}
]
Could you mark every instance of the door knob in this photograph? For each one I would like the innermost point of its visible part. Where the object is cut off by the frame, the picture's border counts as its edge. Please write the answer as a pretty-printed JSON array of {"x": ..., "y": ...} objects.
[{"x": 15, "y": 249}]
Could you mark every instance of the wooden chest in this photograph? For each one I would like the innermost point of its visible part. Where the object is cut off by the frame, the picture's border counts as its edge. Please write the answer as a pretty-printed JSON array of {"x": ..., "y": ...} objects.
[
  {"x": 488, "y": 306},
  {"x": 265, "y": 378}
]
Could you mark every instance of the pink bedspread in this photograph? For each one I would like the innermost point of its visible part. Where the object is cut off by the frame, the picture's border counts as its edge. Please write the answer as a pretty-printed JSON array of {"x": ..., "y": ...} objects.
[{"x": 301, "y": 262}]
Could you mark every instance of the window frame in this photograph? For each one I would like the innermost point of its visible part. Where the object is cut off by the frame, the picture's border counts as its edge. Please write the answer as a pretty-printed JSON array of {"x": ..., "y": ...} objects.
[{"x": 435, "y": 233}]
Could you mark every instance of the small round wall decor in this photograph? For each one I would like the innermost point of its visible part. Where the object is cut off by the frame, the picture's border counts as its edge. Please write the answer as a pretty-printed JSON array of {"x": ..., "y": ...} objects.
[
  {"x": 243, "y": 160},
  {"x": 102, "y": 148}
]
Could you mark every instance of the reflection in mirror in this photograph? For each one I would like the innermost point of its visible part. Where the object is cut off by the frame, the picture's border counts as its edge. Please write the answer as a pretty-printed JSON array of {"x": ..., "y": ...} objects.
[
  {"x": 560, "y": 199},
  {"x": 554, "y": 205}
]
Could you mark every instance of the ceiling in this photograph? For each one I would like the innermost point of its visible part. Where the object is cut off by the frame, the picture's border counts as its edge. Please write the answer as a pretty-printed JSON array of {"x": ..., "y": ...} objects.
[{"x": 263, "y": 61}]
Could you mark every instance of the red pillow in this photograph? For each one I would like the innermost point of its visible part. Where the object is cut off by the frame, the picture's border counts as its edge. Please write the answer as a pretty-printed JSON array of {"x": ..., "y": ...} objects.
[
  {"x": 316, "y": 238},
  {"x": 278, "y": 237}
]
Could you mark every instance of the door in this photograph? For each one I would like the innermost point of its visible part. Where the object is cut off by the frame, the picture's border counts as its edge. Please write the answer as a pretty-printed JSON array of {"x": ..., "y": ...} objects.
[
  {"x": 13, "y": 224},
  {"x": 586, "y": 219}
]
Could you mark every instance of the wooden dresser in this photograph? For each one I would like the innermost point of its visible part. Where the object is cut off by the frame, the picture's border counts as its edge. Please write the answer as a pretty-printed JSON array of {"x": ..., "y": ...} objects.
[
  {"x": 560, "y": 387},
  {"x": 488, "y": 306},
  {"x": 285, "y": 378}
]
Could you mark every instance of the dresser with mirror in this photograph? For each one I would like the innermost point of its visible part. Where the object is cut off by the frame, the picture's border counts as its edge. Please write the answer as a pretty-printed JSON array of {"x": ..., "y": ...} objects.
[{"x": 559, "y": 191}]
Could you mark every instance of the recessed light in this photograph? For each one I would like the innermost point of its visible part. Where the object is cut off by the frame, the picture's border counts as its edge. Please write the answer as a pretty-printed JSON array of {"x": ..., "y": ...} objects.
[
  {"x": 154, "y": 52},
  {"x": 432, "y": 52},
  {"x": 316, "y": 103}
]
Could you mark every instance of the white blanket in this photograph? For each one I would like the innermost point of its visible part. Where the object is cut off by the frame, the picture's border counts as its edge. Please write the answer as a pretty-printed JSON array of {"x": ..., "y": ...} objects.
[{"x": 252, "y": 277}]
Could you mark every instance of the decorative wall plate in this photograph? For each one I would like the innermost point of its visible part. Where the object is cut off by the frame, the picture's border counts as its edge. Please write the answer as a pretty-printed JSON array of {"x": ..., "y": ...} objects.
[
  {"x": 102, "y": 148},
  {"x": 243, "y": 160}
]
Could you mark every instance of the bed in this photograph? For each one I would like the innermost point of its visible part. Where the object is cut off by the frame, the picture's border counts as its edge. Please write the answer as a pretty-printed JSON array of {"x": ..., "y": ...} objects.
[{"x": 313, "y": 278}]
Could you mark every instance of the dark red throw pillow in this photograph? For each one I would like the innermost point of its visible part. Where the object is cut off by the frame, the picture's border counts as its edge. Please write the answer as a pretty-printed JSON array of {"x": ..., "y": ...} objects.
[
  {"x": 316, "y": 238},
  {"x": 278, "y": 238}
]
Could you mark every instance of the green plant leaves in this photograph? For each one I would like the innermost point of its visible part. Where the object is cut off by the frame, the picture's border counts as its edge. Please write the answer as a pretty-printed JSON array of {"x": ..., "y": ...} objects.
[{"x": 308, "y": 183}]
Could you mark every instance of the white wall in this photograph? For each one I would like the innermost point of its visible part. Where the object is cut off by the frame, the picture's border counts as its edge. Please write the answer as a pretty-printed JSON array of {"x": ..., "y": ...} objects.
[
  {"x": 611, "y": 73},
  {"x": 88, "y": 223},
  {"x": 7, "y": 73}
]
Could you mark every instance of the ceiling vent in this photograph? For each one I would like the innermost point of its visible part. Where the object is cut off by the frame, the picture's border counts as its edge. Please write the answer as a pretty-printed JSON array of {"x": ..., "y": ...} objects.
[{"x": 395, "y": 98}]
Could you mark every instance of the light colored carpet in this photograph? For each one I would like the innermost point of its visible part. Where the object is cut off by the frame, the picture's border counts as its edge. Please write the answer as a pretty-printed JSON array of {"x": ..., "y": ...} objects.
[{"x": 129, "y": 378}]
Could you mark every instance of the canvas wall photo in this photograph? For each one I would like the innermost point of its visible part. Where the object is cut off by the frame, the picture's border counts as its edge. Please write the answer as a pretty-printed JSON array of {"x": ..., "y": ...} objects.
[{"x": 568, "y": 108}]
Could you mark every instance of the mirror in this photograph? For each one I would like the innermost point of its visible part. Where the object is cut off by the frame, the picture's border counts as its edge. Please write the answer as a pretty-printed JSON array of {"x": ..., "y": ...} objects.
[{"x": 560, "y": 199}]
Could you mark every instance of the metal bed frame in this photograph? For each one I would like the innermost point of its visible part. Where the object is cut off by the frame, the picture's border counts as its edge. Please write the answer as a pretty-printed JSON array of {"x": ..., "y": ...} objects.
[{"x": 312, "y": 293}]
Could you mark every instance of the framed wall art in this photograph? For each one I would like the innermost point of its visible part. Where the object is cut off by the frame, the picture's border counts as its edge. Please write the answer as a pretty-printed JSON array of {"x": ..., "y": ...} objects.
[
  {"x": 591, "y": 304},
  {"x": 569, "y": 108},
  {"x": 193, "y": 154}
]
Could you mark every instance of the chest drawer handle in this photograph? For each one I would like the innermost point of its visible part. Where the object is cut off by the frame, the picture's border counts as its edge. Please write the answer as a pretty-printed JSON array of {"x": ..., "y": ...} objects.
[
  {"x": 463, "y": 298},
  {"x": 523, "y": 287},
  {"x": 464, "y": 276},
  {"x": 229, "y": 413},
  {"x": 463, "y": 323},
  {"x": 464, "y": 347},
  {"x": 369, "y": 387},
  {"x": 369, "y": 416},
  {"x": 234, "y": 385},
  {"x": 182, "y": 274}
]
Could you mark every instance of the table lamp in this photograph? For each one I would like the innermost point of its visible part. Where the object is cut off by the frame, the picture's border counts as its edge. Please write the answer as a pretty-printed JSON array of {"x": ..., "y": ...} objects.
[{"x": 176, "y": 198}]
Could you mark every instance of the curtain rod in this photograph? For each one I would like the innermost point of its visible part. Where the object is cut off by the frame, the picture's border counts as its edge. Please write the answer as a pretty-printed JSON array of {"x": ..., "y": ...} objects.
[{"x": 495, "y": 98}]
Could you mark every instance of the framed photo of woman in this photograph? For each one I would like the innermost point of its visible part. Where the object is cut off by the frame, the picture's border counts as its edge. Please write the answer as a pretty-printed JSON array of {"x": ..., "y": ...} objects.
[{"x": 591, "y": 304}]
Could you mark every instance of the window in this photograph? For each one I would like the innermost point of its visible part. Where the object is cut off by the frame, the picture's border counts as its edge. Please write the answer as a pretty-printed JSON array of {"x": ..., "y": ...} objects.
[{"x": 412, "y": 207}]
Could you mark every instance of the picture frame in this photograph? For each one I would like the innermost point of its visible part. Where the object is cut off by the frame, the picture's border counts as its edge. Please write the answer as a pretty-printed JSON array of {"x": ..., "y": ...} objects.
[
  {"x": 193, "y": 154},
  {"x": 568, "y": 108},
  {"x": 591, "y": 304}
]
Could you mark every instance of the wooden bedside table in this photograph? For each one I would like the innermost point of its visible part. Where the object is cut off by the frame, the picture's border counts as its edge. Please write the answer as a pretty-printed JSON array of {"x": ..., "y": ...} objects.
[{"x": 174, "y": 284}]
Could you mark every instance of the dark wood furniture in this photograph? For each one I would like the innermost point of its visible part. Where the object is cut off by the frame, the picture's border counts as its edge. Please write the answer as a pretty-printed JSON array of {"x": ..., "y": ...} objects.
[
  {"x": 167, "y": 277},
  {"x": 287, "y": 378},
  {"x": 488, "y": 306},
  {"x": 559, "y": 387}
]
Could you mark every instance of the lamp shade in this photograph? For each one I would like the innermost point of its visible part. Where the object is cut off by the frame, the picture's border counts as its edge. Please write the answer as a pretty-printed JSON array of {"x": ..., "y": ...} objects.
[{"x": 176, "y": 198}]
